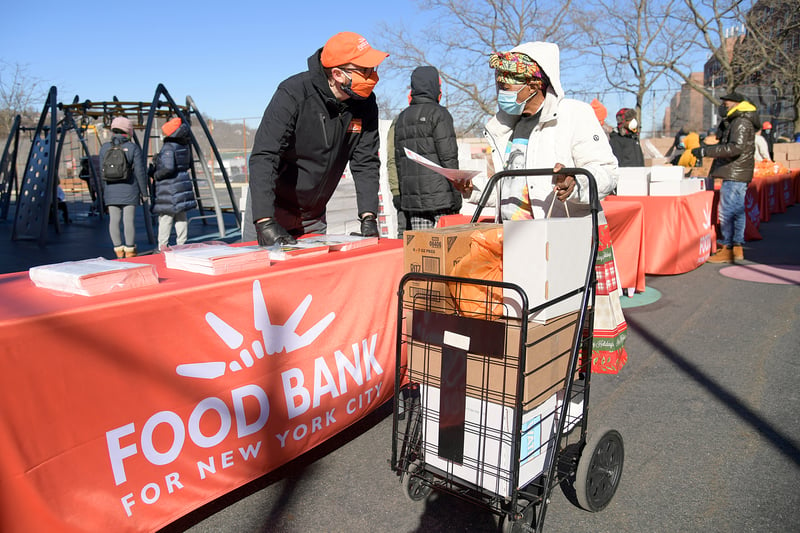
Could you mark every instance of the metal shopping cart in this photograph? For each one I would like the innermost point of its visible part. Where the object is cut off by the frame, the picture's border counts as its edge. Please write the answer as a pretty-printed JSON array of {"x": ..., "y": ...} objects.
[{"x": 494, "y": 409}]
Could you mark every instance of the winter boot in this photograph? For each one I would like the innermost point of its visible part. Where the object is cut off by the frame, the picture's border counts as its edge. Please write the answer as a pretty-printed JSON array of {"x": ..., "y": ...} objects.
[
  {"x": 120, "y": 251},
  {"x": 738, "y": 252},
  {"x": 130, "y": 251},
  {"x": 723, "y": 255}
]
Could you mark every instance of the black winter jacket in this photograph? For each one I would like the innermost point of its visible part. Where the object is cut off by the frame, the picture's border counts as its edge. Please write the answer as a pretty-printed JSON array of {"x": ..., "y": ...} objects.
[
  {"x": 426, "y": 128},
  {"x": 734, "y": 155},
  {"x": 174, "y": 191},
  {"x": 131, "y": 190},
  {"x": 304, "y": 142},
  {"x": 626, "y": 149}
]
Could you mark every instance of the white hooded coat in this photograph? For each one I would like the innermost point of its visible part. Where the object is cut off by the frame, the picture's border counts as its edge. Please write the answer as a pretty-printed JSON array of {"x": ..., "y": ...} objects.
[{"x": 568, "y": 132}]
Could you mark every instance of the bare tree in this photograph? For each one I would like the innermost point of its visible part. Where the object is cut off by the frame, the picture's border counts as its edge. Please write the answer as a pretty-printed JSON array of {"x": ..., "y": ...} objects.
[
  {"x": 459, "y": 44},
  {"x": 19, "y": 94},
  {"x": 709, "y": 27},
  {"x": 768, "y": 57},
  {"x": 635, "y": 46}
]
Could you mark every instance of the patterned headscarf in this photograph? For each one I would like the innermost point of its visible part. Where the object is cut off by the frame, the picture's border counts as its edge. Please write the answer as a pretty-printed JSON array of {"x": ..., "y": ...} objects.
[{"x": 515, "y": 68}]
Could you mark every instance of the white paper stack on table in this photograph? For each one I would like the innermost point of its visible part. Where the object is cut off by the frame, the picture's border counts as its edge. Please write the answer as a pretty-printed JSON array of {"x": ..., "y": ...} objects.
[
  {"x": 215, "y": 258},
  {"x": 91, "y": 277},
  {"x": 303, "y": 248},
  {"x": 340, "y": 242}
]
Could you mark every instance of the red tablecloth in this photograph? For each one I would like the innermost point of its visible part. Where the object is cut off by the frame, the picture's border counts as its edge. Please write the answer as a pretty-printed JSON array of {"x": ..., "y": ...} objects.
[
  {"x": 776, "y": 192},
  {"x": 678, "y": 235},
  {"x": 626, "y": 224},
  {"x": 123, "y": 412}
]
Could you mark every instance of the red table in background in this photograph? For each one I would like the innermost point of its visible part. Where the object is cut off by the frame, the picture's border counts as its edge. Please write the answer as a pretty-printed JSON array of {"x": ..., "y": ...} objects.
[
  {"x": 125, "y": 411},
  {"x": 626, "y": 224},
  {"x": 775, "y": 192},
  {"x": 765, "y": 196},
  {"x": 678, "y": 235}
]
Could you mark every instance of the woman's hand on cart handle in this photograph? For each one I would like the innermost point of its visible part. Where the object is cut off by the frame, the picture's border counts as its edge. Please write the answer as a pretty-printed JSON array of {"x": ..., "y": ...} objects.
[{"x": 564, "y": 183}]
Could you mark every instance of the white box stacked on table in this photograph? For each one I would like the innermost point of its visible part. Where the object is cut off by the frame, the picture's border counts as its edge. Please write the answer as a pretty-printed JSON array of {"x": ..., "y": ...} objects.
[
  {"x": 488, "y": 434},
  {"x": 633, "y": 181},
  {"x": 666, "y": 173},
  {"x": 677, "y": 188},
  {"x": 546, "y": 258}
]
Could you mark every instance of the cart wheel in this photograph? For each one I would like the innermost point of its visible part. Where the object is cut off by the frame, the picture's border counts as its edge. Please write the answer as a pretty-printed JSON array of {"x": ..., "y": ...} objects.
[
  {"x": 523, "y": 523},
  {"x": 416, "y": 483},
  {"x": 599, "y": 470}
]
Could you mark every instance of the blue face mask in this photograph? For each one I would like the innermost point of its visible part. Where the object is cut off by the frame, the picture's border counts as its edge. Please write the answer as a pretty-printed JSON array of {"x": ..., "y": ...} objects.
[{"x": 507, "y": 101}]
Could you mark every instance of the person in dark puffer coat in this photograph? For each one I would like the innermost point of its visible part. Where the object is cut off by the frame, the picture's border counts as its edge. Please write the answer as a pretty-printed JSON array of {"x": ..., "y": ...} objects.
[
  {"x": 174, "y": 191},
  {"x": 425, "y": 127}
]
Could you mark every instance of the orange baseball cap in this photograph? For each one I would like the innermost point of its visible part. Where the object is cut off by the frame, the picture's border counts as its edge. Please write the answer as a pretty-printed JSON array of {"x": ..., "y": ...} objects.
[
  {"x": 348, "y": 47},
  {"x": 171, "y": 126},
  {"x": 766, "y": 125}
]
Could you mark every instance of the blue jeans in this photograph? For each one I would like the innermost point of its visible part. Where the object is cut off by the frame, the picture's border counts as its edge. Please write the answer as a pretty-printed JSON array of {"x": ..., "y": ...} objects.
[{"x": 732, "y": 217}]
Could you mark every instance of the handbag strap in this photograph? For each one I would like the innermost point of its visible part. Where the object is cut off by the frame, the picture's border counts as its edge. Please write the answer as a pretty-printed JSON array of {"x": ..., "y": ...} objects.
[{"x": 550, "y": 210}]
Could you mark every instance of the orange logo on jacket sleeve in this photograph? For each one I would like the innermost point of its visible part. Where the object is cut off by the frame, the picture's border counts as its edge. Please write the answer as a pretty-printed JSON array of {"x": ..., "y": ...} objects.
[{"x": 354, "y": 126}]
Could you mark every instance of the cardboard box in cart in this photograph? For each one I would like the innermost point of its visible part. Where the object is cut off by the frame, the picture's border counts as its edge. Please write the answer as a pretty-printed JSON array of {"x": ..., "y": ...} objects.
[
  {"x": 437, "y": 251},
  {"x": 548, "y": 349},
  {"x": 546, "y": 258},
  {"x": 488, "y": 435}
]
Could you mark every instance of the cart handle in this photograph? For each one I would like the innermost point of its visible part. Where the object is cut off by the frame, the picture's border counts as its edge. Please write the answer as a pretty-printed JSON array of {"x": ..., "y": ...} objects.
[{"x": 594, "y": 200}]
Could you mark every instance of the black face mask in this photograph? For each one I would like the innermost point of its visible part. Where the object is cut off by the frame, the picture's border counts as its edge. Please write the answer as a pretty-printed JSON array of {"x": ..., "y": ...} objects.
[{"x": 722, "y": 110}]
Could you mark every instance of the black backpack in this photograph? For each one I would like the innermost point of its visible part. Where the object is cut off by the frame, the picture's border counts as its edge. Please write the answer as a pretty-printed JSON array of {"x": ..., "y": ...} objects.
[{"x": 115, "y": 163}]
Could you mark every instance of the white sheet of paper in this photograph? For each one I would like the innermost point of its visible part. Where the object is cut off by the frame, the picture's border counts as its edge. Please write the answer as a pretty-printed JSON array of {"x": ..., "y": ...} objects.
[{"x": 453, "y": 174}]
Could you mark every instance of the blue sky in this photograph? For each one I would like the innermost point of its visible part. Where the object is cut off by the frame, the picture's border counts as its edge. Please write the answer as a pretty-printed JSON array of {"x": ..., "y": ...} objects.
[{"x": 228, "y": 57}]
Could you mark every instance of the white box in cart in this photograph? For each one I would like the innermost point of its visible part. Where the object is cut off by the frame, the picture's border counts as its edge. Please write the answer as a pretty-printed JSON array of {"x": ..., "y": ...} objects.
[
  {"x": 666, "y": 173},
  {"x": 677, "y": 188},
  {"x": 546, "y": 258},
  {"x": 633, "y": 181},
  {"x": 487, "y": 442}
]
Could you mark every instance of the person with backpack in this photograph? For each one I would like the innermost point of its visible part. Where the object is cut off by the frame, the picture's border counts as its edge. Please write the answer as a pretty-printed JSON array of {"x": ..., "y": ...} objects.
[
  {"x": 174, "y": 190},
  {"x": 125, "y": 183}
]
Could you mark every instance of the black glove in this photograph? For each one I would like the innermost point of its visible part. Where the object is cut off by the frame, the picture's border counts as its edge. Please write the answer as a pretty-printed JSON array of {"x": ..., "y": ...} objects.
[
  {"x": 369, "y": 226},
  {"x": 397, "y": 201},
  {"x": 698, "y": 152},
  {"x": 270, "y": 232}
]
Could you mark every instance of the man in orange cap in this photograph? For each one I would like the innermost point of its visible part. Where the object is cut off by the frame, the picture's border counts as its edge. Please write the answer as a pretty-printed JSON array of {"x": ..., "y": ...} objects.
[{"x": 317, "y": 122}]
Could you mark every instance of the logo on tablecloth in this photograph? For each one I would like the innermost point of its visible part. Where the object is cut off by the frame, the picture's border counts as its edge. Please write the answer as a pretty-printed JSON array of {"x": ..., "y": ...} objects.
[{"x": 276, "y": 338}]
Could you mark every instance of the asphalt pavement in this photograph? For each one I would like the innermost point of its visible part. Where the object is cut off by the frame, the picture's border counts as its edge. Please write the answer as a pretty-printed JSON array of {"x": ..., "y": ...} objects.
[{"x": 707, "y": 406}]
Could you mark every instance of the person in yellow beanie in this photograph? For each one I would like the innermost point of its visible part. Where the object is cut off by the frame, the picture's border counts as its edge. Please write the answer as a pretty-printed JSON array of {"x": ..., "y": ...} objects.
[{"x": 174, "y": 190}]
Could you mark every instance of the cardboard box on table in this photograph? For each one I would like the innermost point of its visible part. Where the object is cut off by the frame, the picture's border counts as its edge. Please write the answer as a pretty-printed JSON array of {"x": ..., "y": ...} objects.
[
  {"x": 633, "y": 181},
  {"x": 546, "y": 258},
  {"x": 436, "y": 251},
  {"x": 677, "y": 188},
  {"x": 666, "y": 173}
]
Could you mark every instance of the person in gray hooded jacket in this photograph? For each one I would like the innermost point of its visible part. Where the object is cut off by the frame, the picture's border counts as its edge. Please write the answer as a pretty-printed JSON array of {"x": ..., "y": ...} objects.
[{"x": 426, "y": 128}]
